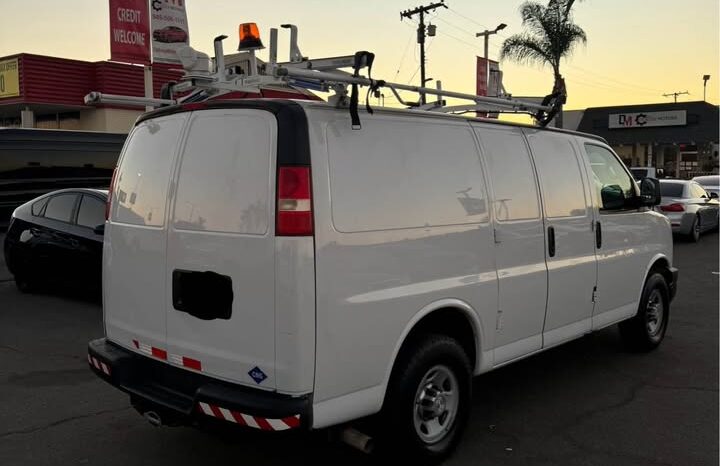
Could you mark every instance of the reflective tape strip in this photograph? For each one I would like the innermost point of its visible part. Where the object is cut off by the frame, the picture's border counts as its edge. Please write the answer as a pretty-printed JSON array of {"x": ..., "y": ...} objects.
[
  {"x": 153, "y": 351},
  {"x": 205, "y": 408},
  {"x": 250, "y": 421},
  {"x": 242, "y": 419},
  {"x": 175, "y": 359},
  {"x": 191, "y": 363},
  {"x": 99, "y": 365},
  {"x": 160, "y": 353}
]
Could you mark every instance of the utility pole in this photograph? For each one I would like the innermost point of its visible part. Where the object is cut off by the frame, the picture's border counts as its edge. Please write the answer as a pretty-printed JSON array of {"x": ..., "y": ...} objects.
[
  {"x": 706, "y": 78},
  {"x": 676, "y": 94},
  {"x": 421, "y": 10}
]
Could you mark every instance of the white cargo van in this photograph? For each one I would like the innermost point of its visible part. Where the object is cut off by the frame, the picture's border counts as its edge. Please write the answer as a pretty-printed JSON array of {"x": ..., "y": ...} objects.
[{"x": 265, "y": 264}]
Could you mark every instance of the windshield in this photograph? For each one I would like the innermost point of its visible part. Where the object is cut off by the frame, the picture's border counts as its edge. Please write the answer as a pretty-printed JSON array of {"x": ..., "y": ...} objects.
[{"x": 671, "y": 189}]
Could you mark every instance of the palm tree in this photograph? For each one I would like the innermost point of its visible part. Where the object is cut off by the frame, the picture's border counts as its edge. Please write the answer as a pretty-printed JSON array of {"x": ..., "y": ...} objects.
[{"x": 551, "y": 35}]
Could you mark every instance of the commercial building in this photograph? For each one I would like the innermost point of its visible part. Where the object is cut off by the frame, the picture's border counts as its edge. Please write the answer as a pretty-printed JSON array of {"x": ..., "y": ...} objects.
[
  {"x": 38, "y": 91},
  {"x": 681, "y": 138}
]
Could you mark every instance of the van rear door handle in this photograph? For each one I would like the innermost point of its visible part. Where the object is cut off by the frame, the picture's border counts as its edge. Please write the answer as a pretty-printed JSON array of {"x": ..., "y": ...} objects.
[
  {"x": 551, "y": 241},
  {"x": 598, "y": 235}
]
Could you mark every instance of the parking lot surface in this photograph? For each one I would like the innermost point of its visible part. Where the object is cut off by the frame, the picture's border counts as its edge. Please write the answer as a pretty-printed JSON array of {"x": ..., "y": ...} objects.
[{"x": 586, "y": 403}]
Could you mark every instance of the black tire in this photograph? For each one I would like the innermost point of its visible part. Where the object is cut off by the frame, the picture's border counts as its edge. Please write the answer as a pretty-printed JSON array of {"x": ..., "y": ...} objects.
[
  {"x": 639, "y": 333},
  {"x": 399, "y": 434},
  {"x": 24, "y": 284},
  {"x": 694, "y": 235}
]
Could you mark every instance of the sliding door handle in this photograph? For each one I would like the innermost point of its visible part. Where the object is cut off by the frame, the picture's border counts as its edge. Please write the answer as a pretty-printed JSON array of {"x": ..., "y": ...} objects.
[{"x": 551, "y": 241}]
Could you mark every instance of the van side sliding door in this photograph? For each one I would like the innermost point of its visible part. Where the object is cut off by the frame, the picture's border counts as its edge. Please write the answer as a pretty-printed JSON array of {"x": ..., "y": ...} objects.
[
  {"x": 519, "y": 242},
  {"x": 570, "y": 240}
]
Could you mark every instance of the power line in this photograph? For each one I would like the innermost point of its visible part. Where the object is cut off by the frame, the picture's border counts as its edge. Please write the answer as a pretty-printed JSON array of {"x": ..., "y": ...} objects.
[
  {"x": 402, "y": 60},
  {"x": 472, "y": 34}
]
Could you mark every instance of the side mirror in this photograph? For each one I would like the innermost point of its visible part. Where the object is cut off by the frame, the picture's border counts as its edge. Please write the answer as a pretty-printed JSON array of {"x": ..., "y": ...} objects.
[
  {"x": 650, "y": 194},
  {"x": 613, "y": 197},
  {"x": 713, "y": 196},
  {"x": 99, "y": 230}
]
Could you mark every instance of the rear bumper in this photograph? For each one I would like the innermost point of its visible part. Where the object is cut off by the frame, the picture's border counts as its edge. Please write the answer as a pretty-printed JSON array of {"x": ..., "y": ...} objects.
[{"x": 179, "y": 396}]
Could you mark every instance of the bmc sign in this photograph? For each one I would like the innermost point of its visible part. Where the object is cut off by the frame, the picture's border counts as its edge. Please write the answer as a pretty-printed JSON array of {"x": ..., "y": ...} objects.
[
  {"x": 130, "y": 31},
  {"x": 642, "y": 120}
]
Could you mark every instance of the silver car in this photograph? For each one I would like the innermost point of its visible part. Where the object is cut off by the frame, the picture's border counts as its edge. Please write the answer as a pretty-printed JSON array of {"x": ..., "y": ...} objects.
[
  {"x": 690, "y": 208},
  {"x": 711, "y": 183}
]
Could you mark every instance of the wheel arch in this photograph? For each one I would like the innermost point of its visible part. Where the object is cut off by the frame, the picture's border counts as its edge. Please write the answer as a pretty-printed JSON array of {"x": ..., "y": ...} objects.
[
  {"x": 662, "y": 264},
  {"x": 451, "y": 317}
]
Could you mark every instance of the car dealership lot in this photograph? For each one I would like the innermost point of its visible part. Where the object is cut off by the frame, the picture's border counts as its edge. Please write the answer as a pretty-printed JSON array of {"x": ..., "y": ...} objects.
[{"x": 588, "y": 402}]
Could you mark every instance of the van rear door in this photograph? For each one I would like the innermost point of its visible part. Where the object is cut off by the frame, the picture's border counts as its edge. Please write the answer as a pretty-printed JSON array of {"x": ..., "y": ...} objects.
[
  {"x": 135, "y": 237},
  {"x": 220, "y": 275}
]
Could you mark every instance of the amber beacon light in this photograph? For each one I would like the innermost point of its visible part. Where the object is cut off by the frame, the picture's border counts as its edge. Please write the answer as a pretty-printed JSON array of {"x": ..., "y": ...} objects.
[{"x": 249, "y": 37}]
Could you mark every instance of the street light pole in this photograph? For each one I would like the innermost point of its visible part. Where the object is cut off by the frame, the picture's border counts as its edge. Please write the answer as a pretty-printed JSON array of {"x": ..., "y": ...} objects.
[
  {"x": 486, "y": 35},
  {"x": 706, "y": 78}
]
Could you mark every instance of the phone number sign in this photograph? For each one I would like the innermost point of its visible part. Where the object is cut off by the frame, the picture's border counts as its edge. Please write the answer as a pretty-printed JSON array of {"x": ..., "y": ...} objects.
[{"x": 9, "y": 78}]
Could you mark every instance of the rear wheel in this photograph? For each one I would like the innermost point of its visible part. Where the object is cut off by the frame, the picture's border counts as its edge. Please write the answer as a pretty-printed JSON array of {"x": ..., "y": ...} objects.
[
  {"x": 646, "y": 330},
  {"x": 428, "y": 400},
  {"x": 694, "y": 234}
]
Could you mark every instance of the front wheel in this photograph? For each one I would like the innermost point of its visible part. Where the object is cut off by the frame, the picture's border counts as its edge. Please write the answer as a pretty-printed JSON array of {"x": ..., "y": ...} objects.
[
  {"x": 646, "y": 330},
  {"x": 428, "y": 400}
]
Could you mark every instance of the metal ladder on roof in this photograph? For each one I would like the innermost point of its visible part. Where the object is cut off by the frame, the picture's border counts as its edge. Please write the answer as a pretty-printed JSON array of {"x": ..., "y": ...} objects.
[{"x": 203, "y": 81}]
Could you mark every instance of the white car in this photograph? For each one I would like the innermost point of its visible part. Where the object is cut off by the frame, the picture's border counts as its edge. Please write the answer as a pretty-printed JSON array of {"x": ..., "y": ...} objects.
[
  {"x": 265, "y": 264},
  {"x": 690, "y": 208}
]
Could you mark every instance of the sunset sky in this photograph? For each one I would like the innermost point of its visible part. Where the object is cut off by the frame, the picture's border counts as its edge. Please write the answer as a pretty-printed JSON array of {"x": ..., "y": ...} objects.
[{"x": 637, "y": 50}]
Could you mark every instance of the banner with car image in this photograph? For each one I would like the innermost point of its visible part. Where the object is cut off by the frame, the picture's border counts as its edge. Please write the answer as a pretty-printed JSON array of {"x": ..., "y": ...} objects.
[{"x": 169, "y": 26}]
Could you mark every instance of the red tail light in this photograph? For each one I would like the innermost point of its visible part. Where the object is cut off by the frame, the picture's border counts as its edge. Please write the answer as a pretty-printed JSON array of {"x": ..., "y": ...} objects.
[
  {"x": 672, "y": 208},
  {"x": 294, "y": 202},
  {"x": 109, "y": 197}
]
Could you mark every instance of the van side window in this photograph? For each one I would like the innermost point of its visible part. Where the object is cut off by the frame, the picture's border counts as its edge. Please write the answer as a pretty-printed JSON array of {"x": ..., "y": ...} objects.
[
  {"x": 512, "y": 175},
  {"x": 611, "y": 182},
  {"x": 144, "y": 173},
  {"x": 400, "y": 173},
  {"x": 560, "y": 176}
]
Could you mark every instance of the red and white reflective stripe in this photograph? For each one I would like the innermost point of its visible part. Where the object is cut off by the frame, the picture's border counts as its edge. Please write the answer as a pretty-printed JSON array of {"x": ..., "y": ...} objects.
[
  {"x": 99, "y": 365},
  {"x": 290, "y": 422},
  {"x": 184, "y": 361},
  {"x": 160, "y": 353}
]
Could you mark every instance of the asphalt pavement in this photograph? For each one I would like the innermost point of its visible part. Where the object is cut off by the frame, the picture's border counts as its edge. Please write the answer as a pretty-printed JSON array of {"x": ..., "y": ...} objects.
[{"x": 588, "y": 402}]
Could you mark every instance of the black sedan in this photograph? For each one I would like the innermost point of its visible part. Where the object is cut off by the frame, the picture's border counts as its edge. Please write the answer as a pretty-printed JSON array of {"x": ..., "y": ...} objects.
[{"x": 58, "y": 238}]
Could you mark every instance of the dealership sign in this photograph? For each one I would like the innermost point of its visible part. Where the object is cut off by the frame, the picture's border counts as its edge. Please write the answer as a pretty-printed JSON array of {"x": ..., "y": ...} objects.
[
  {"x": 9, "y": 78},
  {"x": 646, "y": 119},
  {"x": 169, "y": 29},
  {"x": 130, "y": 31}
]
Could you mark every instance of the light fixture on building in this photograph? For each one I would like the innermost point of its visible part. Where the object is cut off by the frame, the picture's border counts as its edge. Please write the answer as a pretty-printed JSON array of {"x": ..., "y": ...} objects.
[{"x": 706, "y": 78}]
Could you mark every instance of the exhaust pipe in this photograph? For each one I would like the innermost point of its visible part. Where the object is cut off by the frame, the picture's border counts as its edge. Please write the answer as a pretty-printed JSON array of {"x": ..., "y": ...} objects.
[
  {"x": 153, "y": 418},
  {"x": 358, "y": 440}
]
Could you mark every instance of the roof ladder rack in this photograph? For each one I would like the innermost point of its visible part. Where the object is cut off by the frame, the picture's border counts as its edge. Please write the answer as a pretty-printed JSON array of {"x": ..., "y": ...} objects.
[{"x": 325, "y": 74}]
